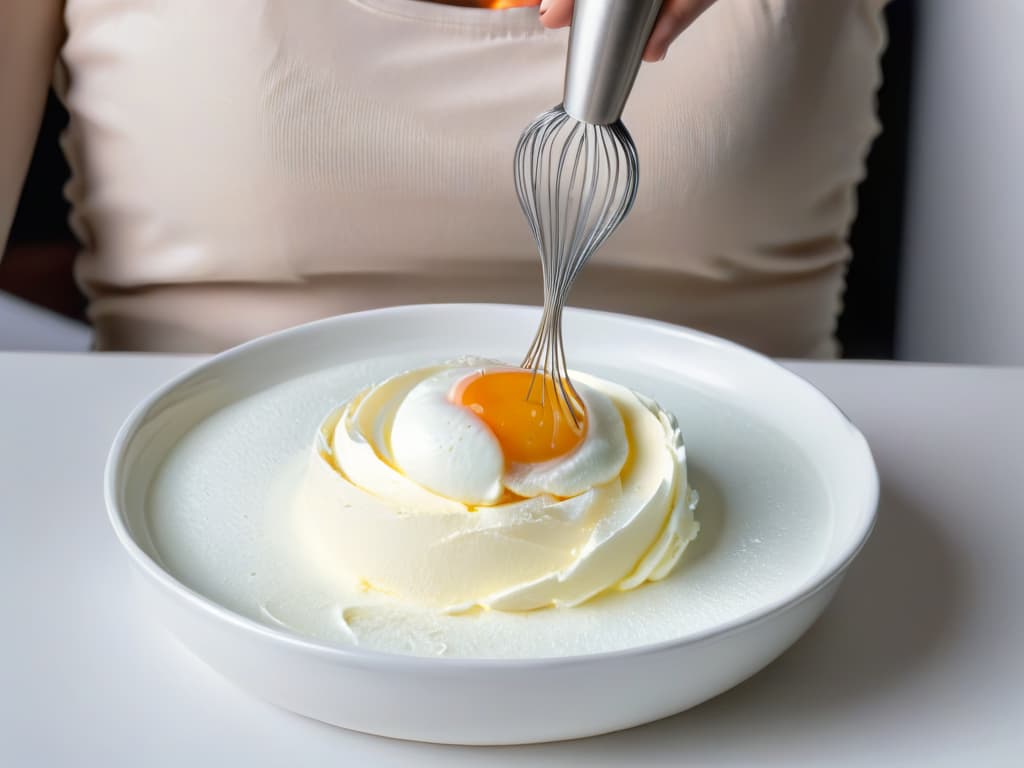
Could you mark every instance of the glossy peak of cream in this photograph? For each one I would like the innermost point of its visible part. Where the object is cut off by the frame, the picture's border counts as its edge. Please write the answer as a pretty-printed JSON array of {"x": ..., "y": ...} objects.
[{"x": 408, "y": 493}]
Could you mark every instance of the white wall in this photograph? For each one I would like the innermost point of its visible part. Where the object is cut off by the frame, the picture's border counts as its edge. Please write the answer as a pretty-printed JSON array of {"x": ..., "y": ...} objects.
[
  {"x": 962, "y": 289},
  {"x": 24, "y": 326}
]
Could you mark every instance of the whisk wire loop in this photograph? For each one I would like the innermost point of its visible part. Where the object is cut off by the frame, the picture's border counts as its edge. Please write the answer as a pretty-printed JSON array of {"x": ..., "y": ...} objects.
[{"x": 575, "y": 182}]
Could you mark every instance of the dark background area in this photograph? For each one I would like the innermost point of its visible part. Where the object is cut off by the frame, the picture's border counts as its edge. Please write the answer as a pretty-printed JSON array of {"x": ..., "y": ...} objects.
[
  {"x": 868, "y": 323},
  {"x": 41, "y": 249}
]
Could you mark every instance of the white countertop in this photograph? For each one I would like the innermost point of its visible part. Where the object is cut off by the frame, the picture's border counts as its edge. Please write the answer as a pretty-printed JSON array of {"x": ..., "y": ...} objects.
[{"x": 920, "y": 659}]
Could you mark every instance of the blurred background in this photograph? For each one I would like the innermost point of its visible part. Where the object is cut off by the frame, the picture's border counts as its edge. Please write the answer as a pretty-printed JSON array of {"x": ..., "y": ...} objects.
[{"x": 906, "y": 284}]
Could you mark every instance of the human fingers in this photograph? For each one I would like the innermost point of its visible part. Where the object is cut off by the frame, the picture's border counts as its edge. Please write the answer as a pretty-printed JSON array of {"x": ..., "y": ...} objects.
[
  {"x": 555, "y": 13},
  {"x": 675, "y": 16}
]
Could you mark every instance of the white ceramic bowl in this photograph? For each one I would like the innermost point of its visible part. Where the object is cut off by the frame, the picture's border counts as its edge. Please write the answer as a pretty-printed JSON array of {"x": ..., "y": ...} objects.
[{"x": 493, "y": 701}]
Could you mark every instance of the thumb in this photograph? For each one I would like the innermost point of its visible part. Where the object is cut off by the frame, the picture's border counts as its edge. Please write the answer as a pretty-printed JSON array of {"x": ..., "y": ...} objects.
[{"x": 555, "y": 13}]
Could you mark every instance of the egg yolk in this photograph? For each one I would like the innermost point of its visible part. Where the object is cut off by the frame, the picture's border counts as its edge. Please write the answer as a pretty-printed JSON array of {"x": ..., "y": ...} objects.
[{"x": 524, "y": 412}]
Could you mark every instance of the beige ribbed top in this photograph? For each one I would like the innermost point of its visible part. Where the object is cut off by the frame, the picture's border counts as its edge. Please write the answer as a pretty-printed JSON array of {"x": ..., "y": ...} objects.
[{"x": 244, "y": 165}]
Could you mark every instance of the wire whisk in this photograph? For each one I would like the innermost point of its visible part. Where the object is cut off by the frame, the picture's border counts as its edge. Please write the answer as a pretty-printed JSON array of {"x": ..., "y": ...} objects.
[
  {"x": 576, "y": 171},
  {"x": 576, "y": 181}
]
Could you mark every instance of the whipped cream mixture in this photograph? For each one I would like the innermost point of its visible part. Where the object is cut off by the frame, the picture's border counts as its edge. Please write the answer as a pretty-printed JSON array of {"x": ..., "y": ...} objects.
[
  {"x": 221, "y": 520},
  {"x": 410, "y": 494}
]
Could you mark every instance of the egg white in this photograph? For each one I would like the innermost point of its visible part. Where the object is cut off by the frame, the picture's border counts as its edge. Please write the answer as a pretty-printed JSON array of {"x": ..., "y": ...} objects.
[
  {"x": 449, "y": 449},
  {"x": 446, "y": 447}
]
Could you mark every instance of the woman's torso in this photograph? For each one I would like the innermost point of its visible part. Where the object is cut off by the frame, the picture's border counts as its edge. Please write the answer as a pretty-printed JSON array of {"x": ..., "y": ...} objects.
[{"x": 246, "y": 165}]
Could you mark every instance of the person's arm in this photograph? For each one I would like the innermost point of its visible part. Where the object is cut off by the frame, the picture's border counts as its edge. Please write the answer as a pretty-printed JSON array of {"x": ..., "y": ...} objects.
[
  {"x": 30, "y": 36},
  {"x": 675, "y": 16}
]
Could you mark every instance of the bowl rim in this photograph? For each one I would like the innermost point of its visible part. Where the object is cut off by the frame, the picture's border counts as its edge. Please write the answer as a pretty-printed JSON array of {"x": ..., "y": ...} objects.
[{"x": 365, "y": 658}]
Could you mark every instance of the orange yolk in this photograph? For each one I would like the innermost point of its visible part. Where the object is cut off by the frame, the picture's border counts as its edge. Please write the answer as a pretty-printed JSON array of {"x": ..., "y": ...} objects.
[{"x": 531, "y": 425}]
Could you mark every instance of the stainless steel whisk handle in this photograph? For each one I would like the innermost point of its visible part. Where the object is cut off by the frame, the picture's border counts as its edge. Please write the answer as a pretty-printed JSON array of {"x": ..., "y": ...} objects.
[{"x": 606, "y": 44}]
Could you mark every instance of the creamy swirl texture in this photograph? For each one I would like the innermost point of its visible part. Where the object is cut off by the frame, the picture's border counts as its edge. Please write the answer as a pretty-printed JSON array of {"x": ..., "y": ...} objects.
[{"x": 410, "y": 493}]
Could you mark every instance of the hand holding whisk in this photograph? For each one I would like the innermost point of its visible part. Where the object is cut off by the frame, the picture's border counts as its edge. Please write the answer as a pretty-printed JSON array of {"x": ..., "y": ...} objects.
[{"x": 577, "y": 171}]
